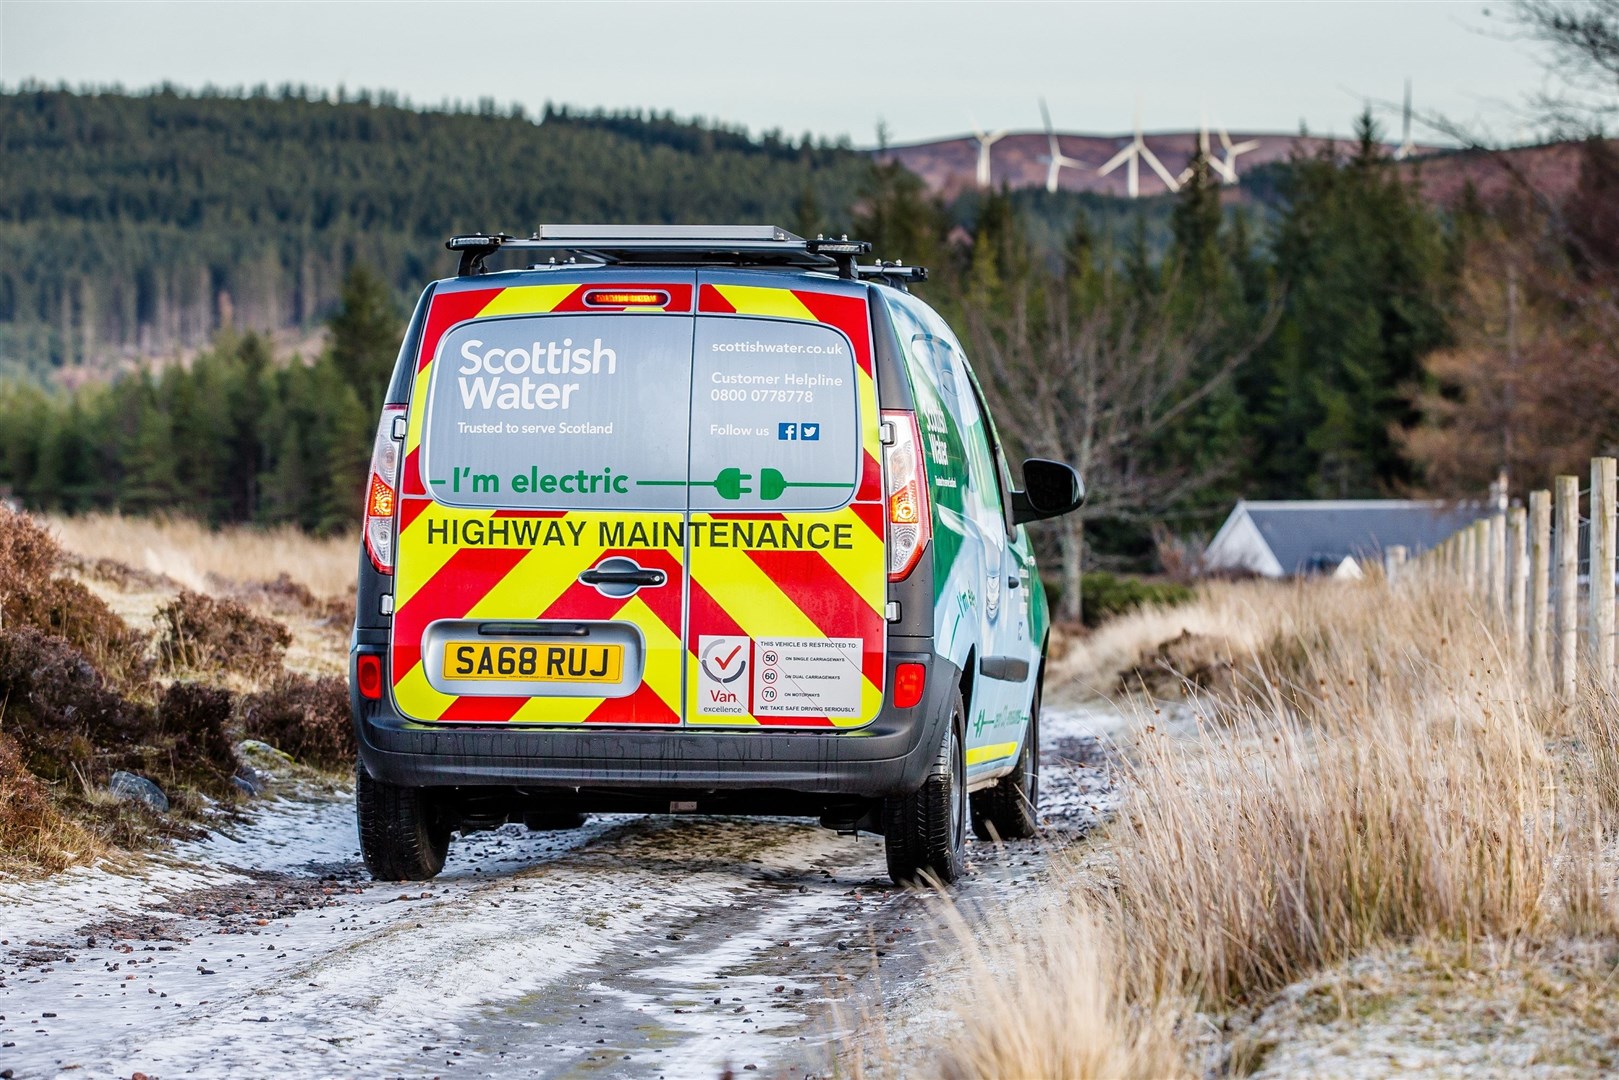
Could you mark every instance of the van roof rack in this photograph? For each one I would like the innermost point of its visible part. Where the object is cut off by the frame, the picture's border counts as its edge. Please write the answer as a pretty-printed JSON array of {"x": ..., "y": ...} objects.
[{"x": 763, "y": 246}]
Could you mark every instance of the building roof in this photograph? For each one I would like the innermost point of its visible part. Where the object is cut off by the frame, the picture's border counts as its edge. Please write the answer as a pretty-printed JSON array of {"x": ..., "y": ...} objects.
[{"x": 1283, "y": 538}]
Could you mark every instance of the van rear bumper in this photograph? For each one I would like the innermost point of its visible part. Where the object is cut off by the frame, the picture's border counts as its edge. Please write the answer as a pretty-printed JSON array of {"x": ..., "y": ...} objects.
[{"x": 889, "y": 756}]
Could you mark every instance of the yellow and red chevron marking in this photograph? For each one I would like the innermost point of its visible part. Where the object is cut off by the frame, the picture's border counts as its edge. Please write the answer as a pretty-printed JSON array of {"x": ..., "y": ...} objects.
[{"x": 768, "y": 593}]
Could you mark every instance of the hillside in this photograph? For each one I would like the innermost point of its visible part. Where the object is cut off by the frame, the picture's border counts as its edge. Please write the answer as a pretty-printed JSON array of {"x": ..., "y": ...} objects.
[
  {"x": 1018, "y": 160},
  {"x": 144, "y": 223}
]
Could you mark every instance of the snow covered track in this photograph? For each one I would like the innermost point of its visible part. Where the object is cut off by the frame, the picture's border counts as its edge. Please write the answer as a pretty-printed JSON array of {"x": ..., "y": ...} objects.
[{"x": 636, "y": 946}]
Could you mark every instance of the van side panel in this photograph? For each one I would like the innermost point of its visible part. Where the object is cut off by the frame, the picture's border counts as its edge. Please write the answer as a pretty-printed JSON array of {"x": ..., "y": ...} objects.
[
  {"x": 786, "y": 622},
  {"x": 958, "y": 575}
]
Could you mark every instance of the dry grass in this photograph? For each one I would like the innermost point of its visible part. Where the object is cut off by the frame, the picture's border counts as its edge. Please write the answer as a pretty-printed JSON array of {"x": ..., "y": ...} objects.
[
  {"x": 34, "y": 834},
  {"x": 138, "y": 566},
  {"x": 197, "y": 557},
  {"x": 1378, "y": 770},
  {"x": 1047, "y": 1002}
]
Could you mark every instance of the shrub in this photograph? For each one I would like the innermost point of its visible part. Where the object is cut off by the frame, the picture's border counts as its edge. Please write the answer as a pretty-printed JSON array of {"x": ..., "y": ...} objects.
[
  {"x": 69, "y": 724},
  {"x": 200, "y": 633},
  {"x": 192, "y": 724},
  {"x": 60, "y": 710},
  {"x": 307, "y": 718},
  {"x": 1197, "y": 662},
  {"x": 33, "y": 593}
]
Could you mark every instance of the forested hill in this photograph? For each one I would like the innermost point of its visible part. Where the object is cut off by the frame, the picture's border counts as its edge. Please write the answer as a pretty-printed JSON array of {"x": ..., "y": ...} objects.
[{"x": 144, "y": 223}]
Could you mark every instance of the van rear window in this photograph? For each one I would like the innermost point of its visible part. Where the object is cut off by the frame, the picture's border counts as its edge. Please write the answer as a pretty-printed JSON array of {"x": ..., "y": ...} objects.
[
  {"x": 561, "y": 412},
  {"x": 775, "y": 419}
]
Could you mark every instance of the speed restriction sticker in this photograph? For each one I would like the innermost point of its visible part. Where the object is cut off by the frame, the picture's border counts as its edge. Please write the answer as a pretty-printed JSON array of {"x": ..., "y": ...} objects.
[{"x": 807, "y": 677}]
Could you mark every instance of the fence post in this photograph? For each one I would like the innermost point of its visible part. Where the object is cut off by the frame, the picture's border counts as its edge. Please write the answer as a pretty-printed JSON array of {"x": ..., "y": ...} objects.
[
  {"x": 1567, "y": 569},
  {"x": 1394, "y": 562},
  {"x": 1540, "y": 551},
  {"x": 1498, "y": 563},
  {"x": 1603, "y": 539},
  {"x": 1466, "y": 557},
  {"x": 1481, "y": 556},
  {"x": 1518, "y": 578}
]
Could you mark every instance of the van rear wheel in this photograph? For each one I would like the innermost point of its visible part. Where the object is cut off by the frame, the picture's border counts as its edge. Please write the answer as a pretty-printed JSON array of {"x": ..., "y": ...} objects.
[
  {"x": 404, "y": 833},
  {"x": 1007, "y": 811},
  {"x": 925, "y": 832}
]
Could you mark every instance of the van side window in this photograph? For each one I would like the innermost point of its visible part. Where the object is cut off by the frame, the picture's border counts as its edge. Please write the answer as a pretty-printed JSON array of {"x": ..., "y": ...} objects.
[
  {"x": 983, "y": 477},
  {"x": 1003, "y": 472}
]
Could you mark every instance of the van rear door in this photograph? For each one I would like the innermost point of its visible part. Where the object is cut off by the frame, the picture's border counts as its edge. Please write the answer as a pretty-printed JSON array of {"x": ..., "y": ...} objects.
[
  {"x": 788, "y": 570},
  {"x": 540, "y": 573}
]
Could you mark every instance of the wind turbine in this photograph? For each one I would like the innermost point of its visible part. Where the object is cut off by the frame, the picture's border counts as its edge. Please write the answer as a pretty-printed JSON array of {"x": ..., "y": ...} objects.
[
  {"x": 1135, "y": 153},
  {"x": 1406, "y": 145},
  {"x": 1228, "y": 168},
  {"x": 1055, "y": 160},
  {"x": 984, "y": 143}
]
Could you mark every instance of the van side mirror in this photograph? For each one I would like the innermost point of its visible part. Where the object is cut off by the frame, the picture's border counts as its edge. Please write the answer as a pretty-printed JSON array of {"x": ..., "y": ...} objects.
[{"x": 1050, "y": 489}]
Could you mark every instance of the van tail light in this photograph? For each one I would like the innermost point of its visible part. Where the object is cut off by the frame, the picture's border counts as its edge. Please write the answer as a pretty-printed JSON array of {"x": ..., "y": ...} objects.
[
  {"x": 382, "y": 491},
  {"x": 368, "y": 676},
  {"x": 910, "y": 524},
  {"x": 909, "y": 682}
]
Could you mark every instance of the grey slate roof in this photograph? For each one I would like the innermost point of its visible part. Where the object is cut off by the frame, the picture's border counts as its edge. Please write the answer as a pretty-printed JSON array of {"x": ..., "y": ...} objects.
[{"x": 1314, "y": 536}]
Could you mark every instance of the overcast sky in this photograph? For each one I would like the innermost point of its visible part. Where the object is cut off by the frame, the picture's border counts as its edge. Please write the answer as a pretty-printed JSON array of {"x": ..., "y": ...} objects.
[{"x": 926, "y": 69}]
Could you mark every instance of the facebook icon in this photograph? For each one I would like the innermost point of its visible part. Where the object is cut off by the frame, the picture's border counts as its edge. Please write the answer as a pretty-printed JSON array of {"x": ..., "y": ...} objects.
[{"x": 787, "y": 432}]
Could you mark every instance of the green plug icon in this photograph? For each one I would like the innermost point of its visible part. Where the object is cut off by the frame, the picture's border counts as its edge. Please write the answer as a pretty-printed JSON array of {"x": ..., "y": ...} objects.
[
  {"x": 729, "y": 483},
  {"x": 771, "y": 484}
]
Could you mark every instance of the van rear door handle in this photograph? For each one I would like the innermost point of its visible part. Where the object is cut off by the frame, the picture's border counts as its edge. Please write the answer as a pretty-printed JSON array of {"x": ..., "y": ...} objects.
[
  {"x": 618, "y": 576},
  {"x": 641, "y": 578}
]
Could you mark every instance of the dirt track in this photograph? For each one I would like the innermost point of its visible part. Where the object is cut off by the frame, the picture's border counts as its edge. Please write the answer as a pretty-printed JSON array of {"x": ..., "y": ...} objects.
[{"x": 636, "y": 946}]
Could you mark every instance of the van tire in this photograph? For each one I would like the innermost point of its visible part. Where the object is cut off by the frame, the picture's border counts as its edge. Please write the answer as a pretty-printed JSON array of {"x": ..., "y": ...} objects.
[
  {"x": 1009, "y": 810},
  {"x": 925, "y": 832},
  {"x": 404, "y": 835}
]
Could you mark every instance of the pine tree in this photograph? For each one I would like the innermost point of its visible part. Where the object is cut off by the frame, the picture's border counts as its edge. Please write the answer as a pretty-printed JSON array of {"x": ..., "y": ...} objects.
[
  {"x": 1195, "y": 228},
  {"x": 1362, "y": 263},
  {"x": 147, "y": 456},
  {"x": 365, "y": 334},
  {"x": 347, "y": 462},
  {"x": 807, "y": 216},
  {"x": 248, "y": 401},
  {"x": 901, "y": 220}
]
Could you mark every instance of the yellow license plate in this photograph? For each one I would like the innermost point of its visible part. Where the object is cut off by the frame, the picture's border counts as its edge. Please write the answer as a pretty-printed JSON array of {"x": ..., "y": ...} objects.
[{"x": 541, "y": 662}]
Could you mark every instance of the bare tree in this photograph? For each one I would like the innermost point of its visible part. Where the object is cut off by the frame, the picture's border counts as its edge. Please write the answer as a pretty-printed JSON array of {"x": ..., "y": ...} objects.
[
  {"x": 1094, "y": 378},
  {"x": 1582, "y": 40}
]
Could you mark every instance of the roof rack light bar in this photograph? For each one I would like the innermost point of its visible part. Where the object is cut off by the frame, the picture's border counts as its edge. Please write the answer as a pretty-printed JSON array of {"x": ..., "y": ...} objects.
[
  {"x": 673, "y": 245},
  {"x": 718, "y": 234}
]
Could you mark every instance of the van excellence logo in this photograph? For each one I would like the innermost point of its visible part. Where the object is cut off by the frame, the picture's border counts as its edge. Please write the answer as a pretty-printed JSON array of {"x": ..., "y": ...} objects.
[{"x": 499, "y": 378}]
